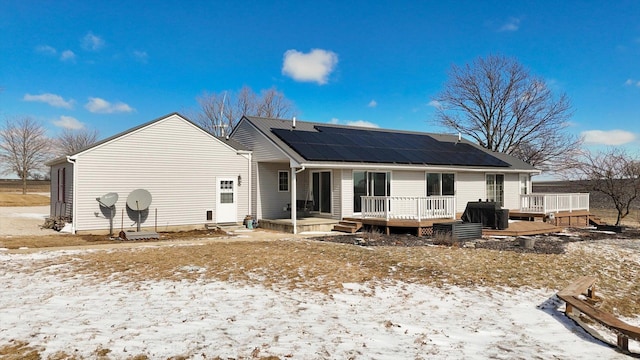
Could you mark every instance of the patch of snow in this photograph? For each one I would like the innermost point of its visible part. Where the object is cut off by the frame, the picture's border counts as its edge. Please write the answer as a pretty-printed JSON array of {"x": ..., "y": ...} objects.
[
  {"x": 208, "y": 318},
  {"x": 37, "y": 216},
  {"x": 67, "y": 228}
]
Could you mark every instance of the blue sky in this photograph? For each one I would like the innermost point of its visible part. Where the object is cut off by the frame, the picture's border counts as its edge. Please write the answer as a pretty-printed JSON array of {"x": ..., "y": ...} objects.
[{"x": 114, "y": 65}]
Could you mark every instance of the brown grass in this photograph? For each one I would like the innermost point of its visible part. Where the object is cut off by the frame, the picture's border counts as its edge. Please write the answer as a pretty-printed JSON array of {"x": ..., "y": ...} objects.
[
  {"x": 609, "y": 216},
  {"x": 65, "y": 240},
  {"x": 11, "y": 185},
  {"x": 324, "y": 266},
  {"x": 16, "y": 199}
]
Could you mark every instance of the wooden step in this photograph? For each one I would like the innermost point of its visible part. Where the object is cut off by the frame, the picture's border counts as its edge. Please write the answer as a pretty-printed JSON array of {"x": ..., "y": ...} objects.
[
  {"x": 343, "y": 228},
  {"x": 348, "y": 226},
  {"x": 594, "y": 220},
  {"x": 356, "y": 224}
]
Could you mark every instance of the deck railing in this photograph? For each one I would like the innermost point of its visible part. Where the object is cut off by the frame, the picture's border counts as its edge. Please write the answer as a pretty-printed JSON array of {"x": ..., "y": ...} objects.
[
  {"x": 408, "y": 207},
  {"x": 551, "y": 203}
]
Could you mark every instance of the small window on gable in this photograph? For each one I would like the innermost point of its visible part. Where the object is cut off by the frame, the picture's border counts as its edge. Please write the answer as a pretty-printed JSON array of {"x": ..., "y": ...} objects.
[{"x": 283, "y": 181}]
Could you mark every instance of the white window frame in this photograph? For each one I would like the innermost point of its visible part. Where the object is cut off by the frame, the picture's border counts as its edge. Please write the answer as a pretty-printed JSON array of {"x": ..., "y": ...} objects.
[
  {"x": 288, "y": 181},
  {"x": 426, "y": 181}
]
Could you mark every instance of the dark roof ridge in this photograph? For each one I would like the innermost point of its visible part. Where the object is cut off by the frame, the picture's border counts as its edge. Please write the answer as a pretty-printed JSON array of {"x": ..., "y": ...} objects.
[{"x": 343, "y": 126}]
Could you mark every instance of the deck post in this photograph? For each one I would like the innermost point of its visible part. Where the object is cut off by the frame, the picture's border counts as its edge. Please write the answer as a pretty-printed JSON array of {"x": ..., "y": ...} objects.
[
  {"x": 419, "y": 203},
  {"x": 387, "y": 208}
]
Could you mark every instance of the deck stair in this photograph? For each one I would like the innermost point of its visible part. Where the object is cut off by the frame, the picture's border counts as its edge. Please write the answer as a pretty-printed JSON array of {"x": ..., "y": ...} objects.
[
  {"x": 348, "y": 226},
  {"x": 594, "y": 220}
]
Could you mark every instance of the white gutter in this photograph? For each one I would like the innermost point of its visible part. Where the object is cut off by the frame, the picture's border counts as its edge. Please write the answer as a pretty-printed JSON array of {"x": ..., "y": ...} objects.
[
  {"x": 417, "y": 168},
  {"x": 72, "y": 161},
  {"x": 294, "y": 197}
]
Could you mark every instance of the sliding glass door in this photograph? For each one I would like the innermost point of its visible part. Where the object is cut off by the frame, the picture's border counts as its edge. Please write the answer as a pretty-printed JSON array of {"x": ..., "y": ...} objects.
[
  {"x": 321, "y": 187},
  {"x": 369, "y": 183}
]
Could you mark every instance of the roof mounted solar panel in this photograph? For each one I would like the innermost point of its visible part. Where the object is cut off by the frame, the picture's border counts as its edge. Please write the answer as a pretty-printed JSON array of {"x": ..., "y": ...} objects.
[{"x": 329, "y": 143}]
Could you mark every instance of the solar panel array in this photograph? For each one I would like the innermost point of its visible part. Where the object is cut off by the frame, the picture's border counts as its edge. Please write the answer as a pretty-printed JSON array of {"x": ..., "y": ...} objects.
[{"x": 359, "y": 145}]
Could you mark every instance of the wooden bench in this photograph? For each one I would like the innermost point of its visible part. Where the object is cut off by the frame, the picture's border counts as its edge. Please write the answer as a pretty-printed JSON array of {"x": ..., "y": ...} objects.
[{"x": 572, "y": 296}]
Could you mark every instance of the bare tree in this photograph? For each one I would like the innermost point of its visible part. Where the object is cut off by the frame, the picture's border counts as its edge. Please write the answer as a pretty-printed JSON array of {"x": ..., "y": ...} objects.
[
  {"x": 614, "y": 173},
  {"x": 24, "y": 148},
  {"x": 498, "y": 103},
  {"x": 219, "y": 112},
  {"x": 71, "y": 141}
]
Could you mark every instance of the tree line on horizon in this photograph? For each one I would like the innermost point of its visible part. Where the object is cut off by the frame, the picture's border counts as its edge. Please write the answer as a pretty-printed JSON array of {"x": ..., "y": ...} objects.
[{"x": 494, "y": 100}]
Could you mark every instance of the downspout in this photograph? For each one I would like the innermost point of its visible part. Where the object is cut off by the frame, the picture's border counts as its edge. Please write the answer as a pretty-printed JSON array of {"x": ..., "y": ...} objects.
[
  {"x": 294, "y": 198},
  {"x": 74, "y": 195},
  {"x": 250, "y": 188}
]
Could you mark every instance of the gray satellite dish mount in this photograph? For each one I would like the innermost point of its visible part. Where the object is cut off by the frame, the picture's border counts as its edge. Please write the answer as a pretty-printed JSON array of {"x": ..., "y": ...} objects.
[
  {"x": 139, "y": 201},
  {"x": 108, "y": 201}
]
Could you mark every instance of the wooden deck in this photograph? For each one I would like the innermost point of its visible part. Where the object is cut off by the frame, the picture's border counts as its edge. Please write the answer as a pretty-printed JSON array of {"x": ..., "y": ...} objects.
[
  {"x": 424, "y": 227},
  {"x": 578, "y": 218},
  {"x": 521, "y": 228},
  {"x": 421, "y": 227}
]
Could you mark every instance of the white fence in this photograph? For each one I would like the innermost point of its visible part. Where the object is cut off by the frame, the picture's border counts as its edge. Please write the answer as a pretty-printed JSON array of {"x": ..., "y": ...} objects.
[
  {"x": 549, "y": 203},
  {"x": 408, "y": 207}
]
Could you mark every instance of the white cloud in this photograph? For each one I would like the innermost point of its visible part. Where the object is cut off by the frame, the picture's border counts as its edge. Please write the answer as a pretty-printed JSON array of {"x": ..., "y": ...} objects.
[
  {"x": 362, "y": 123},
  {"x": 46, "y": 49},
  {"x": 312, "y": 67},
  {"x": 92, "y": 42},
  {"x": 359, "y": 123},
  {"x": 51, "y": 99},
  {"x": 372, "y": 103},
  {"x": 632, "y": 82},
  {"x": 435, "y": 103},
  {"x": 68, "y": 122},
  {"x": 67, "y": 55},
  {"x": 101, "y": 106},
  {"x": 609, "y": 137},
  {"x": 141, "y": 56},
  {"x": 513, "y": 24}
]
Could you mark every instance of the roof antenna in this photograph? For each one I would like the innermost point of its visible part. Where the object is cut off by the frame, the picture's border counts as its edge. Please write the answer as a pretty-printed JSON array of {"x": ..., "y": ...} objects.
[
  {"x": 224, "y": 98},
  {"x": 294, "y": 122}
]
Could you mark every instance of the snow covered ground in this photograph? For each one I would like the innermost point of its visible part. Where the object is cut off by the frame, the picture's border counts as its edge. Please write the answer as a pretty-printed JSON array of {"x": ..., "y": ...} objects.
[{"x": 56, "y": 311}]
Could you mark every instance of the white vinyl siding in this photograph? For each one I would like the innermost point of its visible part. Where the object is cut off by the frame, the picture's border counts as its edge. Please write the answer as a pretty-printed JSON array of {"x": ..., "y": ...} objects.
[
  {"x": 511, "y": 191},
  {"x": 469, "y": 187},
  {"x": 346, "y": 184},
  {"x": 174, "y": 160},
  {"x": 272, "y": 203},
  {"x": 408, "y": 183},
  {"x": 262, "y": 150}
]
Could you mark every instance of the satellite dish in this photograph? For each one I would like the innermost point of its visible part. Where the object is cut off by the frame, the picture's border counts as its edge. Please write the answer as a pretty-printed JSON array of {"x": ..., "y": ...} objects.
[
  {"x": 139, "y": 200},
  {"x": 108, "y": 199}
]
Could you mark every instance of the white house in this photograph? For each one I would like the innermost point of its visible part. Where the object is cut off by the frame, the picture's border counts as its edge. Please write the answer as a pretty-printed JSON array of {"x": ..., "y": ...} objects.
[
  {"x": 193, "y": 177},
  {"x": 343, "y": 171},
  {"x": 277, "y": 169}
]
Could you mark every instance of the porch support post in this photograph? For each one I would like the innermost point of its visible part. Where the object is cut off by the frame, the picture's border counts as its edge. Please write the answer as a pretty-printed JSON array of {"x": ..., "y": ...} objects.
[{"x": 293, "y": 206}]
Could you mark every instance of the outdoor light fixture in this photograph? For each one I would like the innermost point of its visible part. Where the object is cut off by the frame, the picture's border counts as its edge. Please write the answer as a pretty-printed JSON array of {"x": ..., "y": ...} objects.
[{"x": 239, "y": 180}]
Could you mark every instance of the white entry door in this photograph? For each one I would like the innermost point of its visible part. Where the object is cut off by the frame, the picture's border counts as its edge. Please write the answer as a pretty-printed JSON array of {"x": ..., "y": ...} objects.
[{"x": 227, "y": 202}]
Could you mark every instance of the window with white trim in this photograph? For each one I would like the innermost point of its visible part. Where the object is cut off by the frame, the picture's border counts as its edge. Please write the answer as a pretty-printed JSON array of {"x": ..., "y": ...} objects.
[
  {"x": 283, "y": 181},
  {"x": 440, "y": 184}
]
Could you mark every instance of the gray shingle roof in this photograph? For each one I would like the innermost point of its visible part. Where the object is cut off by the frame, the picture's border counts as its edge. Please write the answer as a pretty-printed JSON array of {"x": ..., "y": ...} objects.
[{"x": 321, "y": 133}]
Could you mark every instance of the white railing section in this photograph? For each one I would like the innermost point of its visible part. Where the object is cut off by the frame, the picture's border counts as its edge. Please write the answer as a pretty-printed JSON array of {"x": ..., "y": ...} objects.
[
  {"x": 408, "y": 207},
  {"x": 551, "y": 203}
]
